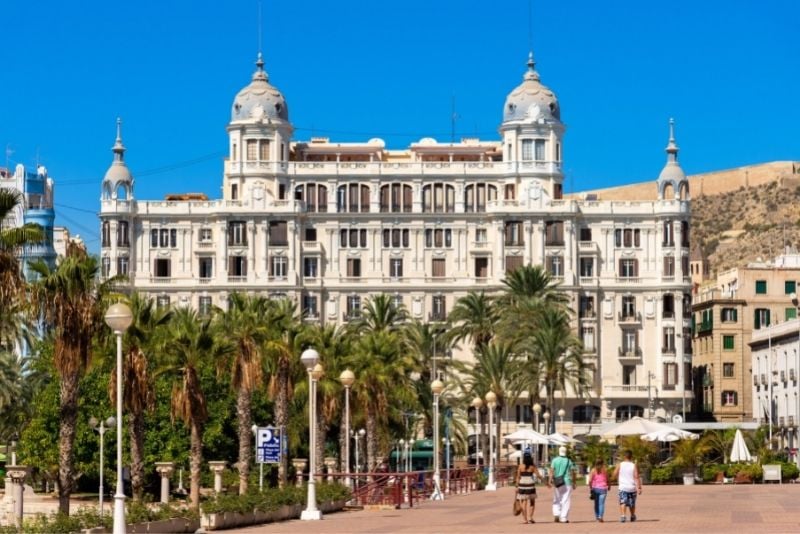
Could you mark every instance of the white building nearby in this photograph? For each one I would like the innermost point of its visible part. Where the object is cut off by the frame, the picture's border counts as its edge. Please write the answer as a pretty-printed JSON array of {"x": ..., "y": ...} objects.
[
  {"x": 775, "y": 354},
  {"x": 328, "y": 224}
]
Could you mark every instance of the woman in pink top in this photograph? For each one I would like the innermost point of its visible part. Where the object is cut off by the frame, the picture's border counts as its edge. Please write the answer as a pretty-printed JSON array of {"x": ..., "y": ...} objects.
[{"x": 598, "y": 487}]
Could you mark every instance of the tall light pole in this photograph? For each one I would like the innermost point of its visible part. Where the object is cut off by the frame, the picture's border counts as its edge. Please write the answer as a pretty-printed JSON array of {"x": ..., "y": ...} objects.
[
  {"x": 101, "y": 427},
  {"x": 546, "y": 417},
  {"x": 434, "y": 377},
  {"x": 796, "y": 304},
  {"x": 561, "y": 414},
  {"x": 537, "y": 409},
  {"x": 477, "y": 403},
  {"x": 491, "y": 404},
  {"x": 446, "y": 443},
  {"x": 119, "y": 318},
  {"x": 347, "y": 378},
  {"x": 436, "y": 387},
  {"x": 310, "y": 357}
]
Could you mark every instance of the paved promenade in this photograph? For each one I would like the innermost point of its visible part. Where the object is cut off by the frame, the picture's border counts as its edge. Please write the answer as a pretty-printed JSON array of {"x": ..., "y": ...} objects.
[{"x": 704, "y": 509}]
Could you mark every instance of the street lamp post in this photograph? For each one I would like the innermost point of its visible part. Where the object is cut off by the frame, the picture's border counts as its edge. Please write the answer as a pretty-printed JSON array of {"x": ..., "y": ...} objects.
[
  {"x": 491, "y": 403},
  {"x": 561, "y": 414},
  {"x": 446, "y": 443},
  {"x": 310, "y": 357},
  {"x": 546, "y": 417},
  {"x": 477, "y": 403},
  {"x": 537, "y": 409},
  {"x": 119, "y": 318},
  {"x": 347, "y": 378},
  {"x": 101, "y": 427},
  {"x": 436, "y": 387}
]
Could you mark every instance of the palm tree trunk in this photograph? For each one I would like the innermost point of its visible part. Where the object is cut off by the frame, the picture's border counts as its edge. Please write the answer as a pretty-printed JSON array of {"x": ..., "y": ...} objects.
[
  {"x": 244, "y": 416},
  {"x": 372, "y": 440},
  {"x": 66, "y": 438},
  {"x": 195, "y": 461},
  {"x": 137, "y": 454},
  {"x": 321, "y": 438},
  {"x": 282, "y": 417}
]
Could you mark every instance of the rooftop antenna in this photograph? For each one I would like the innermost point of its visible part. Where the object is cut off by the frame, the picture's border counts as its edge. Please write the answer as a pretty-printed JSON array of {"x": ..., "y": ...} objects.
[
  {"x": 260, "y": 29},
  {"x": 530, "y": 24},
  {"x": 453, "y": 119}
]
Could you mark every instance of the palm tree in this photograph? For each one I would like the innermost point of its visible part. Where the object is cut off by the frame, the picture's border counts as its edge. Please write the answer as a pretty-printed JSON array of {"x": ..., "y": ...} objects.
[
  {"x": 244, "y": 325},
  {"x": 193, "y": 343},
  {"x": 282, "y": 355},
  {"x": 474, "y": 319},
  {"x": 554, "y": 359},
  {"x": 10, "y": 378},
  {"x": 496, "y": 368},
  {"x": 333, "y": 346},
  {"x": 141, "y": 340},
  {"x": 531, "y": 282},
  {"x": 380, "y": 313},
  {"x": 382, "y": 368},
  {"x": 69, "y": 300},
  {"x": 12, "y": 239},
  {"x": 428, "y": 345}
]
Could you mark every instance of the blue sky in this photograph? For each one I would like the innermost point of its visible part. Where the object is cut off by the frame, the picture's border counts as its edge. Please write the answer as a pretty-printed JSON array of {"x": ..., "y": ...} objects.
[{"x": 726, "y": 70}]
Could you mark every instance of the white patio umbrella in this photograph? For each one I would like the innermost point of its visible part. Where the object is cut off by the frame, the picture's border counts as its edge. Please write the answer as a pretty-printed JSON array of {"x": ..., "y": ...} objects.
[
  {"x": 561, "y": 439},
  {"x": 739, "y": 452},
  {"x": 636, "y": 426},
  {"x": 671, "y": 434},
  {"x": 527, "y": 435}
]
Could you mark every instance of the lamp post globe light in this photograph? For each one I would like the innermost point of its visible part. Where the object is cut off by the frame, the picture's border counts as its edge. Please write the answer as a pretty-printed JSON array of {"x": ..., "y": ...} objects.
[
  {"x": 101, "y": 427},
  {"x": 119, "y": 318},
  {"x": 546, "y": 417},
  {"x": 310, "y": 359},
  {"x": 347, "y": 378},
  {"x": 561, "y": 414},
  {"x": 491, "y": 403},
  {"x": 477, "y": 403},
  {"x": 437, "y": 386}
]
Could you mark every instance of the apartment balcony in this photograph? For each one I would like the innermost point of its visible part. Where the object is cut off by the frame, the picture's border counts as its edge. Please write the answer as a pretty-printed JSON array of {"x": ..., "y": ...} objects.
[
  {"x": 161, "y": 280},
  {"x": 587, "y": 280},
  {"x": 554, "y": 243},
  {"x": 351, "y": 316},
  {"x": 437, "y": 317},
  {"x": 624, "y": 391},
  {"x": 630, "y": 353},
  {"x": 629, "y": 318},
  {"x": 205, "y": 244},
  {"x": 667, "y": 387},
  {"x": 207, "y": 280},
  {"x": 668, "y": 351},
  {"x": 310, "y": 317},
  {"x": 588, "y": 315},
  {"x": 667, "y": 314},
  {"x": 702, "y": 328},
  {"x": 237, "y": 279},
  {"x": 123, "y": 244},
  {"x": 587, "y": 246},
  {"x": 628, "y": 280}
]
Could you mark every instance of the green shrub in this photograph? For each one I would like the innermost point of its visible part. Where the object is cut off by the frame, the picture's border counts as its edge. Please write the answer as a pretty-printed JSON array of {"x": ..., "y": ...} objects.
[
  {"x": 481, "y": 479},
  {"x": 789, "y": 471},
  {"x": 272, "y": 499},
  {"x": 662, "y": 475},
  {"x": 711, "y": 471}
]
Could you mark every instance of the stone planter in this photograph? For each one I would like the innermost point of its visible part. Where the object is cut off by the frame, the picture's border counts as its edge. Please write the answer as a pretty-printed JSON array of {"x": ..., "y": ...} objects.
[
  {"x": 688, "y": 479},
  {"x": 232, "y": 519}
]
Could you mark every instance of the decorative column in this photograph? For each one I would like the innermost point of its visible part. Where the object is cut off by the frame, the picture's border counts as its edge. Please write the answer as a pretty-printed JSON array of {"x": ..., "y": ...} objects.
[
  {"x": 299, "y": 465},
  {"x": 330, "y": 463},
  {"x": 17, "y": 474},
  {"x": 165, "y": 469},
  {"x": 217, "y": 468}
]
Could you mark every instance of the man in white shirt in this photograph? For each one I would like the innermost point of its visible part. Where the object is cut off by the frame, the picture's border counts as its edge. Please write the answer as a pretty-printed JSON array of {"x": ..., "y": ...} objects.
[{"x": 630, "y": 485}]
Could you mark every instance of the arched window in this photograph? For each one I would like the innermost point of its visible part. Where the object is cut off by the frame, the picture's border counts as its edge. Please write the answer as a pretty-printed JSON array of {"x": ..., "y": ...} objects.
[
  {"x": 684, "y": 191},
  {"x": 629, "y": 411},
  {"x": 396, "y": 198},
  {"x": 352, "y": 198},
  {"x": 476, "y": 196},
  {"x": 587, "y": 413},
  {"x": 314, "y": 195},
  {"x": 122, "y": 192},
  {"x": 438, "y": 198}
]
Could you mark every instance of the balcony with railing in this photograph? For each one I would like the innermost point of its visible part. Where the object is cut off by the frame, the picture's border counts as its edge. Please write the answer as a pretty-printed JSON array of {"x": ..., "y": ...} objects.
[
  {"x": 629, "y": 317},
  {"x": 630, "y": 353},
  {"x": 205, "y": 244},
  {"x": 351, "y": 315},
  {"x": 587, "y": 314},
  {"x": 237, "y": 279},
  {"x": 705, "y": 326},
  {"x": 161, "y": 280},
  {"x": 437, "y": 316}
]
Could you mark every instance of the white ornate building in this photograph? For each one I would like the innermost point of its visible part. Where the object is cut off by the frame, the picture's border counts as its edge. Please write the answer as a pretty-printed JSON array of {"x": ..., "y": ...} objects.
[{"x": 329, "y": 223}]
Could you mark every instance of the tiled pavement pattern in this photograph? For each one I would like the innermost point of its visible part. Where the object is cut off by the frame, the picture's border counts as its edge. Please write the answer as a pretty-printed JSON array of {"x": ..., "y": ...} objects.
[{"x": 739, "y": 509}]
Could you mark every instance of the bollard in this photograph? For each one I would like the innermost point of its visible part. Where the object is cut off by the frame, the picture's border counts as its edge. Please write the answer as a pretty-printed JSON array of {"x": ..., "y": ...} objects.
[
  {"x": 217, "y": 468},
  {"x": 165, "y": 469}
]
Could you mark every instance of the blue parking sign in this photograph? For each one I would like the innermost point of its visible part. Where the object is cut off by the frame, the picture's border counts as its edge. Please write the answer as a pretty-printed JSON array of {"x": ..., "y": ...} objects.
[{"x": 268, "y": 445}]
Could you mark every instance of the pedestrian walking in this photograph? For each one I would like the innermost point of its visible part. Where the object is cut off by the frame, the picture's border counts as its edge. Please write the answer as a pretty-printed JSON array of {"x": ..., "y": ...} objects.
[
  {"x": 630, "y": 485},
  {"x": 527, "y": 473},
  {"x": 598, "y": 488},
  {"x": 562, "y": 479}
]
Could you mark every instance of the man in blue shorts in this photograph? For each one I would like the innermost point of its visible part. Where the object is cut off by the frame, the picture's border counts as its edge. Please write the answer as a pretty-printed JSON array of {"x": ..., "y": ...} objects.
[{"x": 630, "y": 485}]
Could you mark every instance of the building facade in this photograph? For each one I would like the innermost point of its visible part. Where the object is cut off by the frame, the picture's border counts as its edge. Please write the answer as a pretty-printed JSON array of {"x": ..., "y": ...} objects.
[
  {"x": 727, "y": 312},
  {"x": 328, "y": 224},
  {"x": 36, "y": 189},
  {"x": 775, "y": 361}
]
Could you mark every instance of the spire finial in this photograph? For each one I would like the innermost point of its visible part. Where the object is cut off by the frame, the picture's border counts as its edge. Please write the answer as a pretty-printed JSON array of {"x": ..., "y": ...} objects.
[
  {"x": 119, "y": 148},
  {"x": 672, "y": 147},
  {"x": 531, "y": 74}
]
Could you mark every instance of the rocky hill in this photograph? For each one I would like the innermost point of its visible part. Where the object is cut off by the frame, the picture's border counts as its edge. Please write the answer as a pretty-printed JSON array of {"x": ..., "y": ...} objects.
[{"x": 740, "y": 226}]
